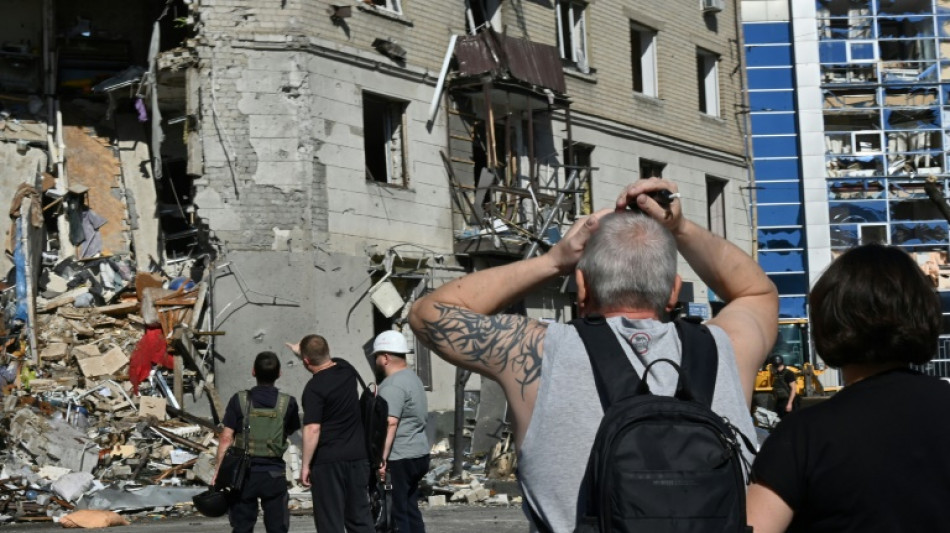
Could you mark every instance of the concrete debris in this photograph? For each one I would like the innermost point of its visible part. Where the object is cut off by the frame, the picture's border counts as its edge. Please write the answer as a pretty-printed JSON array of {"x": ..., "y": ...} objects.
[{"x": 89, "y": 419}]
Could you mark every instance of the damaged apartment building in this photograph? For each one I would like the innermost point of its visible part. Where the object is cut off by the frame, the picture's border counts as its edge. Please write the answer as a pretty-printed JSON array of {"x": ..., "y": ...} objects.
[
  {"x": 325, "y": 164},
  {"x": 850, "y": 130}
]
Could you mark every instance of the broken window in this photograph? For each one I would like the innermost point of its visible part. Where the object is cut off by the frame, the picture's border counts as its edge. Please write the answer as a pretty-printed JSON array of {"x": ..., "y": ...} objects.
[
  {"x": 651, "y": 169},
  {"x": 857, "y": 166},
  {"x": 707, "y": 65},
  {"x": 921, "y": 209},
  {"x": 778, "y": 238},
  {"x": 906, "y": 190},
  {"x": 843, "y": 8},
  {"x": 832, "y": 74},
  {"x": 873, "y": 233},
  {"x": 849, "y": 98},
  {"x": 572, "y": 33},
  {"x": 786, "y": 261},
  {"x": 384, "y": 140},
  {"x": 903, "y": 7},
  {"x": 390, "y": 5},
  {"x": 643, "y": 59},
  {"x": 921, "y": 233},
  {"x": 857, "y": 212},
  {"x": 844, "y": 236},
  {"x": 905, "y": 27},
  {"x": 581, "y": 162},
  {"x": 716, "y": 205},
  {"x": 843, "y": 19},
  {"x": 852, "y": 120},
  {"x": 482, "y": 13},
  {"x": 855, "y": 189}
]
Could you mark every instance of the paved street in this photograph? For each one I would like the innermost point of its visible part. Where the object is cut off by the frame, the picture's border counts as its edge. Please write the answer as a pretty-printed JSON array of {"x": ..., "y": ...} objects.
[{"x": 451, "y": 519}]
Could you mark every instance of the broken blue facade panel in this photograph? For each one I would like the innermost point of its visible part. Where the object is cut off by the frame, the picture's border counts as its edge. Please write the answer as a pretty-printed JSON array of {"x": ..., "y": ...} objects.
[{"x": 849, "y": 106}]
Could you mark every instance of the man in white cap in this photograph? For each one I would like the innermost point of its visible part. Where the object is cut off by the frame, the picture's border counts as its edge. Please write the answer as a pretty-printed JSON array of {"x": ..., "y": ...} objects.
[{"x": 406, "y": 453}]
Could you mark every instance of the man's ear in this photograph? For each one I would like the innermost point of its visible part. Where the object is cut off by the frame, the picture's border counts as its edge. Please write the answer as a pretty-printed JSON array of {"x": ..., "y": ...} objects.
[
  {"x": 675, "y": 293},
  {"x": 582, "y": 293},
  {"x": 254, "y": 372}
]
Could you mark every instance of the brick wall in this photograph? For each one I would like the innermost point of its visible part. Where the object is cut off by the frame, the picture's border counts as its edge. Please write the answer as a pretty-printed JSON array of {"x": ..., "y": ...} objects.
[{"x": 281, "y": 120}]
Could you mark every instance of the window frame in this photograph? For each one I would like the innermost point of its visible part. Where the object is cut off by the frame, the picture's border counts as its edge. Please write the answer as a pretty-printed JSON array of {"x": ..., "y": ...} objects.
[
  {"x": 716, "y": 218},
  {"x": 649, "y": 164},
  {"x": 645, "y": 67},
  {"x": 578, "y": 56},
  {"x": 394, "y": 115},
  {"x": 393, "y": 6},
  {"x": 708, "y": 77}
]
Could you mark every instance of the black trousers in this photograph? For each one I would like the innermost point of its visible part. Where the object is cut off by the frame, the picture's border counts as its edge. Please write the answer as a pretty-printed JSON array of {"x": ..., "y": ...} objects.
[
  {"x": 341, "y": 497},
  {"x": 271, "y": 489},
  {"x": 406, "y": 474}
]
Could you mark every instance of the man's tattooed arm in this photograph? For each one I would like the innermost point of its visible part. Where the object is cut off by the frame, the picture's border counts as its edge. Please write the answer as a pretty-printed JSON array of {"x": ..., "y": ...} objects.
[{"x": 499, "y": 346}]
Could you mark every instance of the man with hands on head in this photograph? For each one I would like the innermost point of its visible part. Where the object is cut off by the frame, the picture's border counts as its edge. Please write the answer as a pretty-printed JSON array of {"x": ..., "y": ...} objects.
[{"x": 624, "y": 262}]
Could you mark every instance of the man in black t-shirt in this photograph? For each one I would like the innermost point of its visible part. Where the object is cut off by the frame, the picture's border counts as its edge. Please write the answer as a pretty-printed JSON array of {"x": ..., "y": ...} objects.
[
  {"x": 784, "y": 386},
  {"x": 267, "y": 479},
  {"x": 335, "y": 466}
]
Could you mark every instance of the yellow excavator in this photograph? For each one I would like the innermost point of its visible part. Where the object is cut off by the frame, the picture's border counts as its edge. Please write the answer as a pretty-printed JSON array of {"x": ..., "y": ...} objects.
[{"x": 792, "y": 346}]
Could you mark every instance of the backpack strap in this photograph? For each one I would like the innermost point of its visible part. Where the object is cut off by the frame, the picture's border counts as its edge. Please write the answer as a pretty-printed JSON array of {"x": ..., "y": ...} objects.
[
  {"x": 613, "y": 373},
  {"x": 615, "y": 377},
  {"x": 244, "y": 401},
  {"x": 700, "y": 362}
]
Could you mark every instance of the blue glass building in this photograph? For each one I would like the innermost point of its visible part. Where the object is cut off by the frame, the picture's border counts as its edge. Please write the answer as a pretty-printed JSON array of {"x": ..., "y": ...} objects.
[{"x": 850, "y": 115}]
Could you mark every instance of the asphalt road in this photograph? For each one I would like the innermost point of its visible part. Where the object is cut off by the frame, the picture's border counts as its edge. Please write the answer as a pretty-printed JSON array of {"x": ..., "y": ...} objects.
[{"x": 450, "y": 519}]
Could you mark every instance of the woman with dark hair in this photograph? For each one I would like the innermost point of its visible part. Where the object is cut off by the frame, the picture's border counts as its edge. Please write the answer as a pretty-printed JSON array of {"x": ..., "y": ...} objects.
[{"x": 876, "y": 456}]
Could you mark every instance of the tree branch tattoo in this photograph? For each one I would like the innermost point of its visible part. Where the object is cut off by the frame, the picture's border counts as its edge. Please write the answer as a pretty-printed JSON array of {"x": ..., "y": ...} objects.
[{"x": 494, "y": 341}]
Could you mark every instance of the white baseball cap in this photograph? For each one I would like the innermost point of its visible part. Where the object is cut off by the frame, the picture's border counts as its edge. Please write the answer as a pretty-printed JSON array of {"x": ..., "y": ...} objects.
[{"x": 390, "y": 342}]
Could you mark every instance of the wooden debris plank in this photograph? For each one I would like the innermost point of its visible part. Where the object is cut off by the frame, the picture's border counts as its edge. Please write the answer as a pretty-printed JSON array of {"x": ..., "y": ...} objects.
[{"x": 63, "y": 299}]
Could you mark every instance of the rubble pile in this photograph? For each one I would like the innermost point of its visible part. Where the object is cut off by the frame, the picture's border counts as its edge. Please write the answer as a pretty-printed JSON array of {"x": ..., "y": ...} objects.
[
  {"x": 481, "y": 481},
  {"x": 92, "y": 414}
]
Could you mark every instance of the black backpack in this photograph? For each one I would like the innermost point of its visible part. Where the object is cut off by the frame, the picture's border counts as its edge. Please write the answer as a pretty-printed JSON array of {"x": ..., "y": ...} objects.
[
  {"x": 660, "y": 463},
  {"x": 374, "y": 411}
]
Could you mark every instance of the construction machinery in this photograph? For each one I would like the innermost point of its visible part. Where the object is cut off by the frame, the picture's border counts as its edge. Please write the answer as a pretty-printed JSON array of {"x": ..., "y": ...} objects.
[{"x": 792, "y": 346}]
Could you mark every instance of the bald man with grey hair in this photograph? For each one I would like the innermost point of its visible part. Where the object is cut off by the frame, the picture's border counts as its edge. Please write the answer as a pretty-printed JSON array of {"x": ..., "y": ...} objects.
[{"x": 624, "y": 263}]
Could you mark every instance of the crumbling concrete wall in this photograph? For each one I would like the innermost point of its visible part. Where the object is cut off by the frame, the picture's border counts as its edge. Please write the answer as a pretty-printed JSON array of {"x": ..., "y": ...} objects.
[
  {"x": 295, "y": 294},
  {"x": 15, "y": 168},
  {"x": 289, "y": 295}
]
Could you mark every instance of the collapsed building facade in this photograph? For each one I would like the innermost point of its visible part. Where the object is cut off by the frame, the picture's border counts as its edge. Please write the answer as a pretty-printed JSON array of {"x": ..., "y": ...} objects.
[{"x": 319, "y": 166}]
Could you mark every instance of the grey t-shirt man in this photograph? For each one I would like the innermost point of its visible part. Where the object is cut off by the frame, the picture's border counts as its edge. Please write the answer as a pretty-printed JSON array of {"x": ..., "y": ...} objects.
[
  {"x": 567, "y": 412},
  {"x": 406, "y": 397}
]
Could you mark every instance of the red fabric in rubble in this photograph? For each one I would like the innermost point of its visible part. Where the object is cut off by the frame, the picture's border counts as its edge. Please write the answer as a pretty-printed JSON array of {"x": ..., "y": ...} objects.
[{"x": 151, "y": 349}]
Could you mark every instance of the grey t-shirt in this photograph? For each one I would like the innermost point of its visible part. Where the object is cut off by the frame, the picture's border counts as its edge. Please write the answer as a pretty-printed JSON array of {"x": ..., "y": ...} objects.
[
  {"x": 567, "y": 412},
  {"x": 406, "y": 397}
]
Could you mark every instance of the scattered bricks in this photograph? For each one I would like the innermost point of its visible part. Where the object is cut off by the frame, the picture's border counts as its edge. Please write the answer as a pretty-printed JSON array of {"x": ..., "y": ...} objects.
[
  {"x": 84, "y": 351},
  {"x": 123, "y": 450},
  {"x": 461, "y": 495},
  {"x": 54, "y": 351},
  {"x": 477, "y": 495},
  {"x": 437, "y": 501},
  {"x": 103, "y": 365},
  {"x": 498, "y": 499},
  {"x": 56, "y": 284},
  {"x": 152, "y": 406},
  {"x": 42, "y": 385},
  {"x": 122, "y": 471}
]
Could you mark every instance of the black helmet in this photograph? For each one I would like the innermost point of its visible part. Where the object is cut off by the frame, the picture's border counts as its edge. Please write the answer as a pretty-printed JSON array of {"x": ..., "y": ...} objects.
[
  {"x": 777, "y": 360},
  {"x": 212, "y": 503}
]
